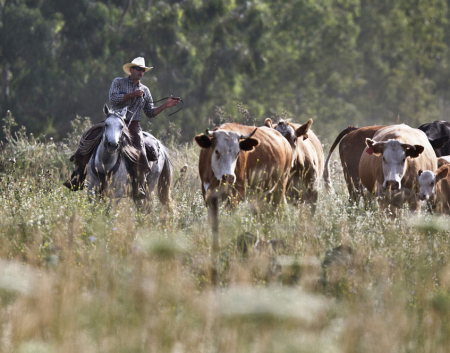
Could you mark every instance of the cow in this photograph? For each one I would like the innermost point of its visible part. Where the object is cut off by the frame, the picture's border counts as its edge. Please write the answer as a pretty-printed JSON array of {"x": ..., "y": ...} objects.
[
  {"x": 443, "y": 160},
  {"x": 438, "y": 133},
  {"x": 307, "y": 164},
  {"x": 391, "y": 161},
  {"x": 235, "y": 157},
  {"x": 351, "y": 149},
  {"x": 434, "y": 188}
]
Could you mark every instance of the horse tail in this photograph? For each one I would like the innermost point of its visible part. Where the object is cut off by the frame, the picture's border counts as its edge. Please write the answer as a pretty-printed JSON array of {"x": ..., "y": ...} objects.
[
  {"x": 165, "y": 179},
  {"x": 326, "y": 174}
]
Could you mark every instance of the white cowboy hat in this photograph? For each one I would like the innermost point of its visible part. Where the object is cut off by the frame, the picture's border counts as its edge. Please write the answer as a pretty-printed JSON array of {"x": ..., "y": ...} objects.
[{"x": 139, "y": 61}]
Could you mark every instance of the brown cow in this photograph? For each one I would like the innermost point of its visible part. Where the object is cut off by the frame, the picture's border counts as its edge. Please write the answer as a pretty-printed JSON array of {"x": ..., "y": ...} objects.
[
  {"x": 434, "y": 187},
  {"x": 351, "y": 149},
  {"x": 307, "y": 166},
  {"x": 234, "y": 157},
  {"x": 391, "y": 162}
]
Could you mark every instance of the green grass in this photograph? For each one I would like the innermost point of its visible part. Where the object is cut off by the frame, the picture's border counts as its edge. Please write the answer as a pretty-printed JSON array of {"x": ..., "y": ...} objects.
[{"x": 76, "y": 276}]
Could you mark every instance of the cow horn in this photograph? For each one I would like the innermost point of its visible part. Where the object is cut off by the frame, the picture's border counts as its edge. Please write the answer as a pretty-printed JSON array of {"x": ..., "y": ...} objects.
[
  {"x": 209, "y": 133},
  {"x": 249, "y": 135}
]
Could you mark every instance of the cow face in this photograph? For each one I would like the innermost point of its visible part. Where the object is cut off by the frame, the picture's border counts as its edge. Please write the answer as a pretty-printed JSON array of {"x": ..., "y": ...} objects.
[
  {"x": 428, "y": 180},
  {"x": 286, "y": 129},
  {"x": 427, "y": 184},
  {"x": 226, "y": 146},
  {"x": 394, "y": 154}
]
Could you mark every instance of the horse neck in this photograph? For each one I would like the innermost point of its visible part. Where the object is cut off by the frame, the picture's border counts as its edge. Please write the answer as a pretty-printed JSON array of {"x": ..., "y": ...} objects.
[{"x": 105, "y": 161}]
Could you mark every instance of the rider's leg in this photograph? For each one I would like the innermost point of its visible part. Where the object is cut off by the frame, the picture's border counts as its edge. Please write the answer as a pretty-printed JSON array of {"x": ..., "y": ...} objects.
[
  {"x": 141, "y": 168},
  {"x": 76, "y": 181},
  {"x": 81, "y": 160}
]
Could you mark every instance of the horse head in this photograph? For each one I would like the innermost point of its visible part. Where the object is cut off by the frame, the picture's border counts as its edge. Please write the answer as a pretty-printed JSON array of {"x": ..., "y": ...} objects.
[{"x": 114, "y": 125}]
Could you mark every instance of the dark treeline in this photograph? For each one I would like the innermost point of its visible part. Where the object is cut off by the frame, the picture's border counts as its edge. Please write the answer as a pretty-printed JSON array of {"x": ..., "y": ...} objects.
[{"x": 339, "y": 62}]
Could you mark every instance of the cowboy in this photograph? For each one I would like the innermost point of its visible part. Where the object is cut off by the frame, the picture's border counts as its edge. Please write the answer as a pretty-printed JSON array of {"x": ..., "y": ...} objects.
[{"x": 131, "y": 93}]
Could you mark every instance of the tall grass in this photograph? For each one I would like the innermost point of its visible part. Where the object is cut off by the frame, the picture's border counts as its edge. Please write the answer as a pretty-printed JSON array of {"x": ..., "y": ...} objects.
[{"x": 77, "y": 276}]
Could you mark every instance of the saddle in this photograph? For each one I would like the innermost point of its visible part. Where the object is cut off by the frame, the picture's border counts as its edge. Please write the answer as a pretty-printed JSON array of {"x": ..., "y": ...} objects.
[{"x": 152, "y": 147}]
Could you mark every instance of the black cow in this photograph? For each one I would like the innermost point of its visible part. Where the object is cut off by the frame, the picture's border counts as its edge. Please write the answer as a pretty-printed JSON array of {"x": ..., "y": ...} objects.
[{"x": 438, "y": 133}]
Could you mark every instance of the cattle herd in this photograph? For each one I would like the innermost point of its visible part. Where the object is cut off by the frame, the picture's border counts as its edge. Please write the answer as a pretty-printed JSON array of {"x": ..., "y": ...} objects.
[{"x": 284, "y": 162}]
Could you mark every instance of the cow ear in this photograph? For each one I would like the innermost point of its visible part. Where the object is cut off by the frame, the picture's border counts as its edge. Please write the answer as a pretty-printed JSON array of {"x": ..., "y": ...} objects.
[
  {"x": 249, "y": 144},
  {"x": 374, "y": 147},
  {"x": 106, "y": 110},
  {"x": 442, "y": 173},
  {"x": 203, "y": 141},
  {"x": 268, "y": 123},
  {"x": 303, "y": 130},
  {"x": 439, "y": 142},
  {"x": 415, "y": 151},
  {"x": 419, "y": 173}
]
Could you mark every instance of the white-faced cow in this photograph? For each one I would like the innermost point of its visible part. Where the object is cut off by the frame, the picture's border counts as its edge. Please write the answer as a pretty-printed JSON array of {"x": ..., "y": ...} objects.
[
  {"x": 434, "y": 188},
  {"x": 236, "y": 157},
  {"x": 391, "y": 162},
  {"x": 307, "y": 164},
  {"x": 351, "y": 149}
]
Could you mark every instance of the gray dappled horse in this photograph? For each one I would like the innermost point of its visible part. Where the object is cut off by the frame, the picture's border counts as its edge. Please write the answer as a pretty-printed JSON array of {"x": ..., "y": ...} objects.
[{"x": 107, "y": 171}]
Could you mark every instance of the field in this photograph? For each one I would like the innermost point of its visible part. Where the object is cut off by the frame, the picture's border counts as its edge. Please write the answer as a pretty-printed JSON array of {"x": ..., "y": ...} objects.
[{"x": 77, "y": 276}]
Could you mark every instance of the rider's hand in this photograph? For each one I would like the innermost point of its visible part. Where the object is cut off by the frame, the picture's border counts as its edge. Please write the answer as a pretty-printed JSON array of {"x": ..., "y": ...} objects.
[
  {"x": 138, "y": 93},
  {"x": 172, "y": 101}
]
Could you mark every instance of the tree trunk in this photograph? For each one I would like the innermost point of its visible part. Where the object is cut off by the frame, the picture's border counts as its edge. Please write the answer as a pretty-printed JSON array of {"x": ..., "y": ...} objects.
[
  {"x": 6, "y": 77},
  {"x": 125, "y": 10}
]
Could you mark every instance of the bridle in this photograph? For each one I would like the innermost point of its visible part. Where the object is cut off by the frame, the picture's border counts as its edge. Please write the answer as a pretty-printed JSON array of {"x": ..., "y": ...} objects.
[{"x": 116, "y": 115}]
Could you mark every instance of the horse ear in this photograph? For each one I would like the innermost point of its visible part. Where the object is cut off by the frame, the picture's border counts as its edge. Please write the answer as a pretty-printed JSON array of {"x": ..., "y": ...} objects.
[
  {"x": 106, "y": 109},
  {"x": 123, "y": 113}
]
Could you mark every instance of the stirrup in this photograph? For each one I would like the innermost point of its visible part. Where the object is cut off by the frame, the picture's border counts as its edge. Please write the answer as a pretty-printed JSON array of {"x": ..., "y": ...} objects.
[{"x": 139, "y": 193}]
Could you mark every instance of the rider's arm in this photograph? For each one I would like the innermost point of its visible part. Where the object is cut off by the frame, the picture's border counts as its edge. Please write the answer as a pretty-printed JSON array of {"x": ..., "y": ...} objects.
[
  {"x": 170, "y": 102},
  {"x": 149, "y": 107},
  {"x": 115, "y": 94}
]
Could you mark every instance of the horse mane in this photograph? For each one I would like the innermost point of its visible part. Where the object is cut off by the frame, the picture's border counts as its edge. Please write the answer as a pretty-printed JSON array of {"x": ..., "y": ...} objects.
[
  {"x": 88, "y": 145},
  {"x": 127, "y": 145}
]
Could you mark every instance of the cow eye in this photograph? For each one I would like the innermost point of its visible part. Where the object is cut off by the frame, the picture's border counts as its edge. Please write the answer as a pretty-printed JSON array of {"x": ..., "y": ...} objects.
[
  {"x": 384, "y": 160},
  {"x": 217, "y": 154},
  {"x": 404, "y": 159},
  {"x": 431, "y": 184}
]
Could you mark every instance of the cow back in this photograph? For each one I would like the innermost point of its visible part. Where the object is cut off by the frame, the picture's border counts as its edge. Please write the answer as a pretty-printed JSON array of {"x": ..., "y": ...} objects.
[{"x": 270, "y": 160}]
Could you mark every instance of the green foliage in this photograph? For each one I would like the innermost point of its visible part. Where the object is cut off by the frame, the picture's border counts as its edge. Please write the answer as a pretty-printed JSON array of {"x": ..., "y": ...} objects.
[{"x": 339, "y": 62}]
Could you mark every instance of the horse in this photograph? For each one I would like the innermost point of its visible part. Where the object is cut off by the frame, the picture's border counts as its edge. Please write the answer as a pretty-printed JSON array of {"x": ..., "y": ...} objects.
[{"x": 107, "y": 172}]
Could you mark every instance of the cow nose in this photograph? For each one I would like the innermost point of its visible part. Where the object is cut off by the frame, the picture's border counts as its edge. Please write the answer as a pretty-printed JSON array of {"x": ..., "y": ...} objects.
[
  {"x": 392, "y": 184},
  {"x": 228, "y": 178},
  {"x": 423, "y": 197}
]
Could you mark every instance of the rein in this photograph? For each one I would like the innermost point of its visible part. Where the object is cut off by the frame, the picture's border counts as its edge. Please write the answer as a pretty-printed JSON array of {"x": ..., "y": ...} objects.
[
  {"x": 102, "y": 177},
  {"x": 162, "y": 99},
  {"x": 177, "y": 99}
]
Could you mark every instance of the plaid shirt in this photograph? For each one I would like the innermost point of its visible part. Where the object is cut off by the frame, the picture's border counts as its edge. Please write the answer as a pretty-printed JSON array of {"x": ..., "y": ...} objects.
[{"x": 122, "y": 86}]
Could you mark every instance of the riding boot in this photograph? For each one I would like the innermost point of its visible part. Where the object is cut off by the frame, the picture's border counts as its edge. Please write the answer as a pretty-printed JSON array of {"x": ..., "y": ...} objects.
[
  {"x": 139, "y": 185},
  {"x": 77, "y": 178}
]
